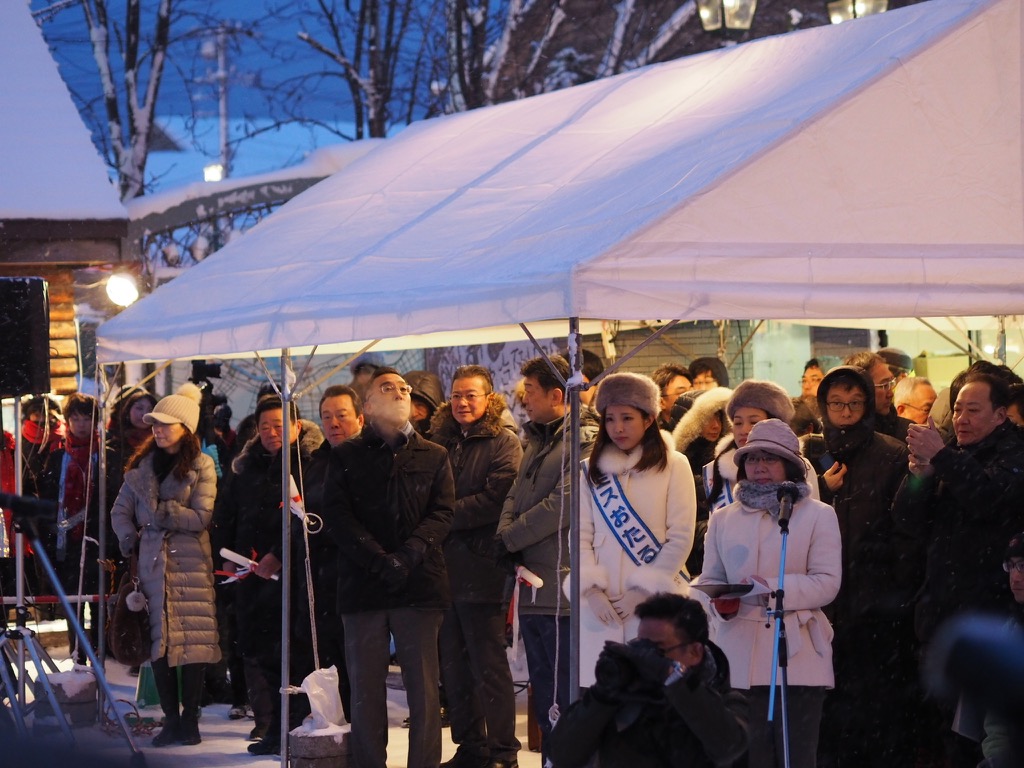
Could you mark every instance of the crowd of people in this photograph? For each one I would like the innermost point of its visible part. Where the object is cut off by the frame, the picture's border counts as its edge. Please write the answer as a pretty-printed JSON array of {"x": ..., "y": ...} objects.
[{"x": 446, "y": 524}]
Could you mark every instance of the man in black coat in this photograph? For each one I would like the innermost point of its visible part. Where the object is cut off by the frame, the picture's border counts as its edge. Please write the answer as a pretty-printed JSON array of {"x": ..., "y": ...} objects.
[
  {"x": 660, "y": 701},
  {"x": 965, "y": 499},
  {"x": 388, "y": 505},
  {"x": 247, "y": 520},
  {"x": 485, "y": 453}
]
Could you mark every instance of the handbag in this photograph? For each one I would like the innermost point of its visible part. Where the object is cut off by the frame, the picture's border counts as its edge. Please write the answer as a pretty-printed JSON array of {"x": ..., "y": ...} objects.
[{"x": 128, "y": 629}]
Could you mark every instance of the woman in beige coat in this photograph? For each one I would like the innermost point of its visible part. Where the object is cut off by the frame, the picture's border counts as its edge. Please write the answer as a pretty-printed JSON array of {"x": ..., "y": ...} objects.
[{"x": 166, "y": 503}]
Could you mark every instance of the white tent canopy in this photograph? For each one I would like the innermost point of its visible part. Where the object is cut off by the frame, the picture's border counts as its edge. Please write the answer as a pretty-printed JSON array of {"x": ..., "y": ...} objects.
[{"x": 871, "y": 169}]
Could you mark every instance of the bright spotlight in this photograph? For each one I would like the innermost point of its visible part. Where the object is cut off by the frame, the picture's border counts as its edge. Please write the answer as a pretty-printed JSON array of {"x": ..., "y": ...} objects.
[{"x": 122, "y": 290}]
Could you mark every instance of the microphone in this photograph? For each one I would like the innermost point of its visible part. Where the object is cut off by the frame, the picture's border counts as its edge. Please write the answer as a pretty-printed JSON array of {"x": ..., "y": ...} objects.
[{"x": 787, "y": 495}]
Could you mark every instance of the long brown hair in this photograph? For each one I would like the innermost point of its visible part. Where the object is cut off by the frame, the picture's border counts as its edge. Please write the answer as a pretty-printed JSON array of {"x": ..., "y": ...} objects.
[
  {"x": 654, "y": 454},
  {"x": 184, "y": 460}
]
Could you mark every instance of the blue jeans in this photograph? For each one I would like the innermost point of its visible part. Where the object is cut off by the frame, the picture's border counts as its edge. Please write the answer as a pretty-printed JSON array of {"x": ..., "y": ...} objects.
[{"x": 539, "y": 640}]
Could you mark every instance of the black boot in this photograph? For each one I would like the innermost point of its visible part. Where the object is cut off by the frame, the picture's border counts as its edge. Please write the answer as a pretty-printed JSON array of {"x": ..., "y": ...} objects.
[
  {"x": 166, "y": 680},
  {"x": 192, "y": 677}
]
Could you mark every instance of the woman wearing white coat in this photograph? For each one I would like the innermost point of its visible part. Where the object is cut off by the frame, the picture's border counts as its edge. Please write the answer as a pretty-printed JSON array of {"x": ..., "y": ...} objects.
[
  {"x": 637, "y": 513},
  {"x": 743, "y": 545}
]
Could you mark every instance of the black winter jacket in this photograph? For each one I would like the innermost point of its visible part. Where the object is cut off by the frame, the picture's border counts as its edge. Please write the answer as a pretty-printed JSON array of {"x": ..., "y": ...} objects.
[
  {"x": 876, "y": 560},
  {"x": 693, "y": 724},
  {"x": 377, "y": 501},
  {"x": 247, "y": 519},
  {"x": 484, "y": 462},
  {"x": 966, "y": 512}
]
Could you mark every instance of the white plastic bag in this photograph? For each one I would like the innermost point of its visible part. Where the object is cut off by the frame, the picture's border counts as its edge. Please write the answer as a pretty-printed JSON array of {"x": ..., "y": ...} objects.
[{"x": 321, "y": 686}]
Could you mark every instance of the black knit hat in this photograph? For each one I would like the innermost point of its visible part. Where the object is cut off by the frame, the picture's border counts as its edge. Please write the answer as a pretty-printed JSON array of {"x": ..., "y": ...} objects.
[{"x": 1015, "y": 548}]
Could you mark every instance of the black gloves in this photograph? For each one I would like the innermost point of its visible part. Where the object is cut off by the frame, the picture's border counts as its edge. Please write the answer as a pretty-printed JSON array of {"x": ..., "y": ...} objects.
[{"x": 392, "y": 569}]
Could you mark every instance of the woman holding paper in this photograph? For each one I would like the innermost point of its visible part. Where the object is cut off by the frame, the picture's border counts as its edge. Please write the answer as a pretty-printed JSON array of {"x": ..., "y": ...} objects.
[
  {"x": 165, "y": 504},
  {"x": 638, "y": 508},
  {"x": 743, "y": 546}
]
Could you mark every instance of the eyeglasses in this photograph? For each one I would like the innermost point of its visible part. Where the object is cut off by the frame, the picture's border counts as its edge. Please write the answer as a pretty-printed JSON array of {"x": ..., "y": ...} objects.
[
  {"x": 389, "y": 388},
  {"x": 836, "y": 407},
  {"x": 671, "y": 648},
  {"x": 471, "y": 397},
  {"x": 762, "y": 458},
  {"x": 811, "y": 379},
  {"x": 887, "y": 384},
  {"x": 1014, "y": 566},
  {"x": 705, "y": 381},
  {"x": 926, "y": 409}
]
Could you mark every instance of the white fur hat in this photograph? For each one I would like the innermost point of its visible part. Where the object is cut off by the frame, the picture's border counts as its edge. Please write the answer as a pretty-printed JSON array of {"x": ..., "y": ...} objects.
[
  {"x": 629, "y": 389},
  {"x": 180, "y": 408}
]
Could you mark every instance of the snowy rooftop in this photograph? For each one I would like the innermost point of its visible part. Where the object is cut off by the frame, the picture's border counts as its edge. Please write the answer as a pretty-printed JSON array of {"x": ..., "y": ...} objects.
[{"x": 49, "y": 168}]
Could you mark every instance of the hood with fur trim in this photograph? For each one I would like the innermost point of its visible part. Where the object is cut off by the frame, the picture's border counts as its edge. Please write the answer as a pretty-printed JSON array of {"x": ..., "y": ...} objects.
[
  {"x": 704, "y": 408},
  {"x": 445, "y": 429}
]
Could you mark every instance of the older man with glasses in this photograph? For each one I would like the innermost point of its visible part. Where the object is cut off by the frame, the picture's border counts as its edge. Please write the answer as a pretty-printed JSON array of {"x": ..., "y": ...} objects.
[{"x": 388, "y": 504}]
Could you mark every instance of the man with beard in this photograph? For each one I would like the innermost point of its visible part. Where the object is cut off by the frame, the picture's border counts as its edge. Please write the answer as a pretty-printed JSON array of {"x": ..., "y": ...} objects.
[
  {"x": 388, "y": 505},
  {"x": 872, "y": 649}
]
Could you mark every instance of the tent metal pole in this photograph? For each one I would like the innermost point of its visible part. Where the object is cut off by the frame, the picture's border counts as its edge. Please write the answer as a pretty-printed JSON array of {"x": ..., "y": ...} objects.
[
  {"x": 1001, "y": 339},
  {"x": 286, "y": 554},
  {"x": 573, "y": 392}
]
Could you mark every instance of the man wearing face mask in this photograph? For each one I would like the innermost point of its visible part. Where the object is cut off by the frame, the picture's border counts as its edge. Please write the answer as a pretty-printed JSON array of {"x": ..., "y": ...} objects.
[{"x": 388, "y": 504}]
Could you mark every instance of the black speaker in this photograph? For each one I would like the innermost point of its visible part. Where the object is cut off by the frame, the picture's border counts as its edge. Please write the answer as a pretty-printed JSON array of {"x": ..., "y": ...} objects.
[{"x": 24, "y": 336}]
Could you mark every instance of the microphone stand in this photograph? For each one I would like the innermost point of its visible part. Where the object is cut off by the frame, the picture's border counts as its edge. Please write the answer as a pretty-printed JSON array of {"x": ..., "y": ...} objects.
[{"x": 780, "y": 651}]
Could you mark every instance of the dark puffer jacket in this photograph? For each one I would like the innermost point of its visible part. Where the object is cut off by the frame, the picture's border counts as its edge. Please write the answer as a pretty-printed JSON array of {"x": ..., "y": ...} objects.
[
  {"x": 484, "y": 462},
  {"x": 248, "y": 520},
  {"x": 380, "y": 501},
  {"x": 966, "y": 512},
  {"x": 688, "y": 724},
  {"x": 874, "y": 556}
]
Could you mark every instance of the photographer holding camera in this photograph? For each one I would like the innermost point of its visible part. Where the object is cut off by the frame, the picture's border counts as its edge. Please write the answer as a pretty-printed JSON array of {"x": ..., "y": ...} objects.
[{"x": 662, "y": 699}]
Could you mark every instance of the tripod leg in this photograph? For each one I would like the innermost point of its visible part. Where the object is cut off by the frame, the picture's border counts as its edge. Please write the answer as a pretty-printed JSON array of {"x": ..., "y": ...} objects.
[
  {"x": 33, "y": 651},
  {"x": 10, "y": 690},
  {"x": 101, "y": 678}
]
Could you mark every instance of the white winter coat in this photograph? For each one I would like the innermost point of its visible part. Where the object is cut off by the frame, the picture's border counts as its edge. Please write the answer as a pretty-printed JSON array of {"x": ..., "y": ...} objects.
[
  {"x": 742, "y": 542},
  {"x": 666, "y": 501}
]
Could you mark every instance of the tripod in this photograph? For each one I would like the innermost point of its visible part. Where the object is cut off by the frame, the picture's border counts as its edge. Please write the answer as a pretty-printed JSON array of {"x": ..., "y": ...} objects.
[{"x": 27, "y": 513}]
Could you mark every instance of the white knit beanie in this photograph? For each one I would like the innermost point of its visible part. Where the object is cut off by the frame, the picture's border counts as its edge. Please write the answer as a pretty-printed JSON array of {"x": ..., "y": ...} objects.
[
  {"x": 180, "y": 408},
  {"x": 629, "y": 389}
]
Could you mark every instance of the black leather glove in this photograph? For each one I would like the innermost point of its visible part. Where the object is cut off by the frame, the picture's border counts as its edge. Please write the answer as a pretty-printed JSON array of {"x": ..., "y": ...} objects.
[
  {"x": 392, "y": 569},
  {"x": 412, "y": 553}
]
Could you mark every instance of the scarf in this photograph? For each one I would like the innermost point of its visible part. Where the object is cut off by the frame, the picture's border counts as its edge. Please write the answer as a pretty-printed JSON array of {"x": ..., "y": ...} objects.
[
  {"x": 844, "y": 443},
  {"x": 766, "y": 495},
  {"x": 78, "y": 479},
  {"x": 35, "y": 433}
]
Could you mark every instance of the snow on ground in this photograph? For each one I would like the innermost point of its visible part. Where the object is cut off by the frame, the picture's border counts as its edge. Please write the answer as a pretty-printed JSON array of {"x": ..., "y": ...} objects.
[{"x": 225, "y": 741}]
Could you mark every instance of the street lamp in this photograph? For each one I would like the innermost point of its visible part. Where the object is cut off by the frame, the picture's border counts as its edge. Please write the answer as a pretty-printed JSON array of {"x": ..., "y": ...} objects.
[
  {"x": 844, "y": 10},
  {"x": 734, "y": 14}
]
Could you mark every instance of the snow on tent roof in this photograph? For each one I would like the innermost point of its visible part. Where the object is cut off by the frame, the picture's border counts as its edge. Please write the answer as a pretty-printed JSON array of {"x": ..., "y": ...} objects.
[
  {"x": 48, "y": 165},
  {"x": 870, "y": 169}
]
